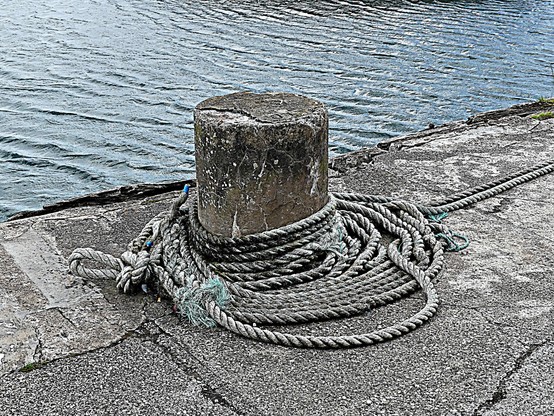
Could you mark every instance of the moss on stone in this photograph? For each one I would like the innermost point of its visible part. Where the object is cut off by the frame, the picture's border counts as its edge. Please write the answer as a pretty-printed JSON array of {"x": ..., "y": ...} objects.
[{"x": 543, "y": 116}]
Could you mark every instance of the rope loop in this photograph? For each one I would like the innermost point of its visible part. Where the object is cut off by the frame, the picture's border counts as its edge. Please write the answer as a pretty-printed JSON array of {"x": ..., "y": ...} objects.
[{"x": 112, "y": 265}]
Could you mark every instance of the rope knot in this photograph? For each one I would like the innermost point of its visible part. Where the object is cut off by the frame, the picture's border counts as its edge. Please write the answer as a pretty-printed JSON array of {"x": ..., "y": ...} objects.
[{"x": 136, "y": 270}]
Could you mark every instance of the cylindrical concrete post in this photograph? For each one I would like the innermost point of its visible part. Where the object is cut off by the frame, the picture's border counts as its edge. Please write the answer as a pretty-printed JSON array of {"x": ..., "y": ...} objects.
[{"x": 261, "y": 161}]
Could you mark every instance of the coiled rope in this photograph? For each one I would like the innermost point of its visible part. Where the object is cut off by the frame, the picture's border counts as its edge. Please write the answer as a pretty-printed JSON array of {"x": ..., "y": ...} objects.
[{"x": 357, "y": 253}]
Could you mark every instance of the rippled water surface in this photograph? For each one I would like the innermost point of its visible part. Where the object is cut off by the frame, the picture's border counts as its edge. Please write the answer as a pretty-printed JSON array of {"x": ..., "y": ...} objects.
[{"x": 96, "y": 94}]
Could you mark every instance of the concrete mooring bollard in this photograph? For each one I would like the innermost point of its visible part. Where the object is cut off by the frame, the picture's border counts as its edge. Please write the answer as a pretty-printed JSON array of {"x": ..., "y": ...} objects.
[{"x": 261, "y": 161}]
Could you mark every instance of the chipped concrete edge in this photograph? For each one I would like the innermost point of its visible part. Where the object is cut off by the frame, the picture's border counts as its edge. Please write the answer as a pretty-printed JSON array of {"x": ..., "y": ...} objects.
[
  {"x": 110, "y": 196},
  {"x": 342, "y": 163}
]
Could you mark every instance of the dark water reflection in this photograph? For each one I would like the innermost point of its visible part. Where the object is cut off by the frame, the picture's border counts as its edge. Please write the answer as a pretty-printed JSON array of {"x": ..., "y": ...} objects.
[{"x": 100, "y": 93}]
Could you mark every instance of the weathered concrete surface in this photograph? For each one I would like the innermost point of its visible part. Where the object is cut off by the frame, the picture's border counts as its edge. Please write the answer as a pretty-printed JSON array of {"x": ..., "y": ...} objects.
[
  {"x": 261, "y": 161},
  {"x": 489, "y": 351}
]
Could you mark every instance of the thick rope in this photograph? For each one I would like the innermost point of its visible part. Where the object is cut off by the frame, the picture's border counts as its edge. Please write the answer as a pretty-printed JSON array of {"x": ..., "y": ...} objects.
[{"x": 357, "y": 253}]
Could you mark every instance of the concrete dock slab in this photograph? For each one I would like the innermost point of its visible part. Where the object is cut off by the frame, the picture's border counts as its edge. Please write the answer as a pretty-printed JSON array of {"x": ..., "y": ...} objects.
[{"x": 78, "y": 346}]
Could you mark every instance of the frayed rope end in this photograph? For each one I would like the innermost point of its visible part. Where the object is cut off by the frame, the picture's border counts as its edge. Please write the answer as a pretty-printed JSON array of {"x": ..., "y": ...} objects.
[{"x": 190, "y": 303}]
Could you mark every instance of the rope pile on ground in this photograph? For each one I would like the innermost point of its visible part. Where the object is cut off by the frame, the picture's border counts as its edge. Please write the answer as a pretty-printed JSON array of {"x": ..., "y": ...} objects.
[{"x": 358, "y": 253}]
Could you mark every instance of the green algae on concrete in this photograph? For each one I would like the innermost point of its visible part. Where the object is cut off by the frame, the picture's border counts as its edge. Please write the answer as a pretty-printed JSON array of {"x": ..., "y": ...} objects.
[{"x": 543, "y": 116}]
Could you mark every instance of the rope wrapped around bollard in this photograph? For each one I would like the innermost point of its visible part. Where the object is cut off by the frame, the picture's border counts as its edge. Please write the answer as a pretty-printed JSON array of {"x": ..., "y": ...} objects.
[{"x": 357, "y": 253}]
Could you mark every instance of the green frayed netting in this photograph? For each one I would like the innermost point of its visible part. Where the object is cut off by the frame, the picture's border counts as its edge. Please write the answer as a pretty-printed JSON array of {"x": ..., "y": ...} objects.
[{"x": 191, "y": 303}]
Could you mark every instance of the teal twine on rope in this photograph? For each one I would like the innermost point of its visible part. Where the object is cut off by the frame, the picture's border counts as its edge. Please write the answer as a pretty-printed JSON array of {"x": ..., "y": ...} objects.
[
  {"x": 450, "y": 239},
  {"x": 190, "y": 302},
  {"x": 437, "y": 217}
]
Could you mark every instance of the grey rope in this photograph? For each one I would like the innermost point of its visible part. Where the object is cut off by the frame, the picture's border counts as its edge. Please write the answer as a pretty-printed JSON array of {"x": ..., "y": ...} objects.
[{"x": 358, "y": 253}]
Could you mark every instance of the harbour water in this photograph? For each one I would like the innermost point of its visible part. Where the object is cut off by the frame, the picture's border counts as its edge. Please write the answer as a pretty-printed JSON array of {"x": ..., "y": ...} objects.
[{"x": 99, "y": 93}]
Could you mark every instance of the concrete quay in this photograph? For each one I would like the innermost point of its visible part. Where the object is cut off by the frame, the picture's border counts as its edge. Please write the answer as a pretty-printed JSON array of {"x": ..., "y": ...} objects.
[{"x": 75, "y": 346}]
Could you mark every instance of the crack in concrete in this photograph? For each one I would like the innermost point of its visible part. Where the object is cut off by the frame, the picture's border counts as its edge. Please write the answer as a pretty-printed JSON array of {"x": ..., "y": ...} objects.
[
  {"x": 65, "y": 317},
  {"x": 521, "y": 110},
  {"x": 409, "y": 145},
  {"x": 500, "y": 393},
  {"x": 498, "y": 324},
  {"x": 128, "y": 334},
  {"x": 491, "y": 321},
  {"x": 235, "y": 111},
  {"x": 143, "y": 333},
  {"x": 38, "y": 348},
  {"x": 207, "y": 391},
  {"x": 482, "y": 314}
]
